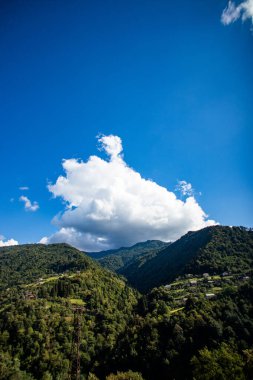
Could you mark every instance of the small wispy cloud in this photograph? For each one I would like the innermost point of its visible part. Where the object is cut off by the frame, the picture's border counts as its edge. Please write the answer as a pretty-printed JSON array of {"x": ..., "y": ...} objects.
[
  {"x": 7, "y": 243},
  {"x": 112, "y": 145},
  {"x": 185, "y": 188},
  {"x": 29, "y": 206},
  {"x": 23, "y": 188},
  {"x": 233, "y": 12}
]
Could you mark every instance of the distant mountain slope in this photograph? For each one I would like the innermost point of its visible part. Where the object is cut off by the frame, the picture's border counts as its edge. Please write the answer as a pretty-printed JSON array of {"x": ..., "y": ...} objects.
[
  {"x": 22, "y": 264},
  {"x": 117, "y": 259},
  {"x": 212, "y": 249}
]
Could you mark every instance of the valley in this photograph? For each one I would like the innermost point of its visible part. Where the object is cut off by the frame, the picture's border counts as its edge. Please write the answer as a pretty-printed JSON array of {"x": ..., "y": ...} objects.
[{"x": 171, "y": 311}]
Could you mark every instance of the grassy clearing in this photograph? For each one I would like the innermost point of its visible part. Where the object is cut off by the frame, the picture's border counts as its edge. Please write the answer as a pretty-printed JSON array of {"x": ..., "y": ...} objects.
[
  {"x": 49, "y": 279},
  {"x": 76, "y": 301},
  {"x": 216, "y": 277},
  {"x": 54, "y": 278},
  {"x": 176, "y": 310},
  {"x": 216, "y": 289},
  {"x": 177, "y": 291},
  {"x": 177, "y": 283}
]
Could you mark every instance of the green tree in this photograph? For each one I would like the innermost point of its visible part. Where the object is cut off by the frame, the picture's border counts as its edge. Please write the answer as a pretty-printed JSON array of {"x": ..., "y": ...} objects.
[{"x": 220, "y": 364}]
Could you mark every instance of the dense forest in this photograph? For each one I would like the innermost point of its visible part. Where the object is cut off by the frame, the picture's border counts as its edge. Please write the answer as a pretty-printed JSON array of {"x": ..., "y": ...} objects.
[
  {"x": 37, "y": 317},
  {"x": 59, "y": 309}
]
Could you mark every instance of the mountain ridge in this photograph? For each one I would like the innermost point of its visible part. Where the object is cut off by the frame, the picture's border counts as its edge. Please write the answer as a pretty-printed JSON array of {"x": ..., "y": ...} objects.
[
  {"x": 212, "y": 249},
  {"x": 117, "y": 259}
]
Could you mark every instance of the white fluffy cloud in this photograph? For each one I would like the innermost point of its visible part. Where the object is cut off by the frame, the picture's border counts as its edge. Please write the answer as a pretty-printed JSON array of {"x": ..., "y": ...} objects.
[
  {"x": 24, "y": 188},
  {"x": 7, "y": 243},
  {"x": 108, "y": 204},
  {"x": 29, "y": 206},
  {"x": 233, "y": 12}
]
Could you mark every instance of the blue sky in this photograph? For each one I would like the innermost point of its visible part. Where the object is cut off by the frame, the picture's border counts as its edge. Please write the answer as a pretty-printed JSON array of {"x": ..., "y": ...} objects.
[{"x": 168, "y": 78}]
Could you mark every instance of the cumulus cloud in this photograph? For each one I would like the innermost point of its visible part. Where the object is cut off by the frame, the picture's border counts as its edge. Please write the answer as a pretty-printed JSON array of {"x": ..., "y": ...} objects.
[
  {"x": 24, "y": 188},
  {"x": 109, "y": 204},
  {"x": 233, "y": 12},
  {"x": 7, "y": 243},
  {"x": 29, "y": 206}
]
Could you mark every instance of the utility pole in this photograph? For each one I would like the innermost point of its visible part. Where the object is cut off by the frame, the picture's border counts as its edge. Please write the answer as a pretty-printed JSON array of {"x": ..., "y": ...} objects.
[{"x": 74, "y": 368}]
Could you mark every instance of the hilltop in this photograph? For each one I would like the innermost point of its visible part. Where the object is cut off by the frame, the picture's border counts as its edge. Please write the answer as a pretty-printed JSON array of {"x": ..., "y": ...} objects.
[
  {"x": 22, "y": 264},
  {"x": 40, "y": 287}
]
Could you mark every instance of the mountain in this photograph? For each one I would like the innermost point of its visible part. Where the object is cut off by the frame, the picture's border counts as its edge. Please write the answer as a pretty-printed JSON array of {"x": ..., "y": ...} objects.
[
  {"x": 22, "y": 264},
  {"x": 117, "y": 259},
  {"x": 213, "y": 249},
  {"x": 60, "y": 309},
  {"x": 41, "y": 286}
]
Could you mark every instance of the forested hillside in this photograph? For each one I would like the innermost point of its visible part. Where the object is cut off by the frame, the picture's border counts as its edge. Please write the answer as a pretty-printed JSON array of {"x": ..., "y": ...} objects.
[
  {"x": 37, "y": 318},
  {"x": 119, "y": 259},
  {"x": 197, "y": 326},
  {"x": 213, "y": 249},
  {"x": 25, "y": 263},
  {"x": 203, "y": 339}
]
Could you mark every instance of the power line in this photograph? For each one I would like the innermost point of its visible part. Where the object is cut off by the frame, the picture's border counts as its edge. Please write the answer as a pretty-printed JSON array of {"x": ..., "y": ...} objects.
[{"x": 75, "y": 368}]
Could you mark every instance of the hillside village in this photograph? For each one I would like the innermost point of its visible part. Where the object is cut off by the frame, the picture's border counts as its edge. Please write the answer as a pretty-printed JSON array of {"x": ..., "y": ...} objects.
[{"x": 203, "y": 285}]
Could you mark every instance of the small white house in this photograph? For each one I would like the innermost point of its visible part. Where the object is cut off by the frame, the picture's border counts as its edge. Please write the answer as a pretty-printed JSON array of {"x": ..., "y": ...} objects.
[{"x": 210, "y": 295}]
